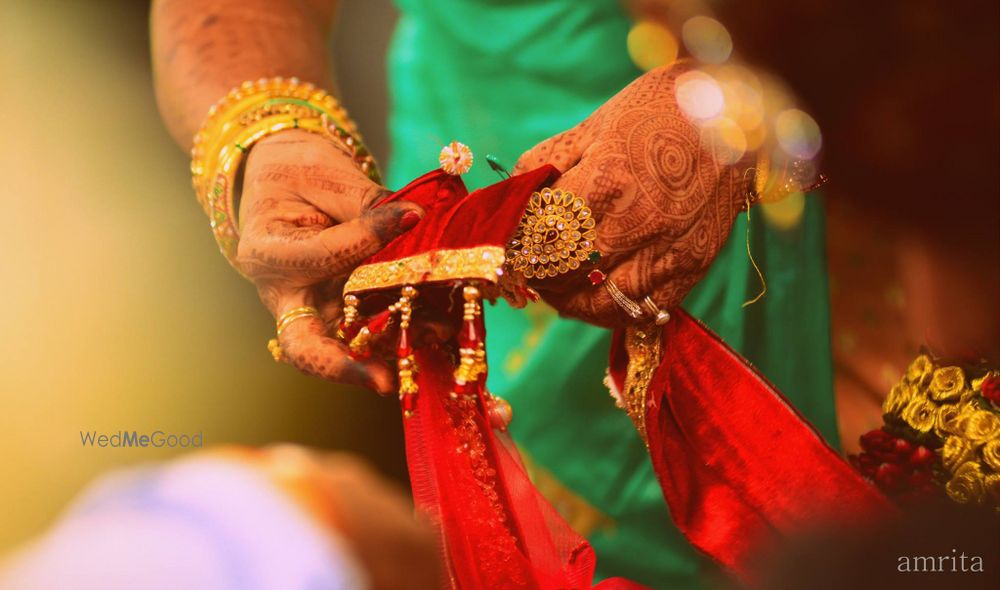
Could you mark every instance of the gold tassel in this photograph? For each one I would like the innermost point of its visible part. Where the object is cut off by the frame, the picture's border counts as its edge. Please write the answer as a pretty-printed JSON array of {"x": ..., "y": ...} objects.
[
  {"x": 350, "y": 315},
  {"x": 359, "y": 344}
]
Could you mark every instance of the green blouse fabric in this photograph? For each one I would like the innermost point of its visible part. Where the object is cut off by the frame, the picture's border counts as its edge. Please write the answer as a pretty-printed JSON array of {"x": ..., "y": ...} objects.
[{"x": 500, "y": 76}]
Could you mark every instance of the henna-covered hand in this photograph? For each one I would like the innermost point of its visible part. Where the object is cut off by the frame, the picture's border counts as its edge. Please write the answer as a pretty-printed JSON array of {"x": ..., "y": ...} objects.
[
  {"x": 663, "y": 201},
  {"x": 307, "y": 221}
]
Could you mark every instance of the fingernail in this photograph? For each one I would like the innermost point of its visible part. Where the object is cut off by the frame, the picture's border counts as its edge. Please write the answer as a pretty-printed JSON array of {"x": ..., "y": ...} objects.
[{"x": 408, "y": 220}]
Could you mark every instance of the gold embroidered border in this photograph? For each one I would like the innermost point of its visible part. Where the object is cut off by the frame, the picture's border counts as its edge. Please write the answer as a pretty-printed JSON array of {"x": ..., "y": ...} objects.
[
  {"x": 643, "y": 347},
  {"x": 482, "y": 262}
]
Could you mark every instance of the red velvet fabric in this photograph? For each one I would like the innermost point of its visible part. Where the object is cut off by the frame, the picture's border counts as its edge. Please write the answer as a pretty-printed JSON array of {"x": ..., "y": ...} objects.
[
  {"x": 455, "y": 218},
  {"x": 738, "y": 465}
]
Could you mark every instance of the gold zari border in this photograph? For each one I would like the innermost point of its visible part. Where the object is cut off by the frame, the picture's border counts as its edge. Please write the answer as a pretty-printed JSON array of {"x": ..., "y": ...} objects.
[
  {"x": 643, "y": 347},
  {"x": 482, "y": 263}
]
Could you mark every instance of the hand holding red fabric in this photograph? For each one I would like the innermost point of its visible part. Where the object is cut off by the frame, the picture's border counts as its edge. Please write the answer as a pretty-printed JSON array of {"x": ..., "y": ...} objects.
[
  {"x": 664, "y": 194},
  {"x": 308, "y": 219}
]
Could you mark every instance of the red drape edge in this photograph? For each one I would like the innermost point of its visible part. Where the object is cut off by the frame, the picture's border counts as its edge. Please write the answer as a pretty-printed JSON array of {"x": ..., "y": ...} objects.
[{"x": 740, "y": 468}]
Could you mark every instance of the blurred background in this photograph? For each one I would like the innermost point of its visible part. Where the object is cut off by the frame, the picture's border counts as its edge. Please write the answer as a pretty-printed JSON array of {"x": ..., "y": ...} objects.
[{"x": 119, "y": 314}]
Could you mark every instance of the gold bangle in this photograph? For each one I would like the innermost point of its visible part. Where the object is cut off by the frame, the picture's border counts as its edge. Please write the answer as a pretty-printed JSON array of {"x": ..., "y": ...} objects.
[
  {"x": 273, "y": 346},
  {"x": 243, "y": 117},
  {"x": 294, "y": 314}
]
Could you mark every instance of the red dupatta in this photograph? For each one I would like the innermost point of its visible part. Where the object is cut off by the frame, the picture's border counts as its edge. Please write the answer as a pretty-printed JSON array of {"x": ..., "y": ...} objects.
[{"x": 736, "y": 463}]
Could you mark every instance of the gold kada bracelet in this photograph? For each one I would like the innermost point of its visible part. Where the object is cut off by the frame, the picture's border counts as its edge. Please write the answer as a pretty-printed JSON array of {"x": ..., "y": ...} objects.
[{"x": 243, "y": 117}]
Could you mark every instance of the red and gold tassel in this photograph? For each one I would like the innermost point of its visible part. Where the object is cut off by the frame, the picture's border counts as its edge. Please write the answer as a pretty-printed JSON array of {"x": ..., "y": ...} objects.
[
  {"x": 404, "y": 353},
  {"x": 346, "y": 329},
  {"x": 361, "y": 343},
  {"x": 471, "y": 351}
]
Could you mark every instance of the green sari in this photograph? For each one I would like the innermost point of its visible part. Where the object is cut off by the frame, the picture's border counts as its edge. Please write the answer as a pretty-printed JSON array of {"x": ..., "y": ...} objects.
[{"x": 501, "y": 76}]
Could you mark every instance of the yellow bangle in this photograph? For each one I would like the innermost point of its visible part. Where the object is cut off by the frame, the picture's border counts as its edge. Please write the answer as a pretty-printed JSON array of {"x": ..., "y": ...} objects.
[{"x": 243, "y": 117}]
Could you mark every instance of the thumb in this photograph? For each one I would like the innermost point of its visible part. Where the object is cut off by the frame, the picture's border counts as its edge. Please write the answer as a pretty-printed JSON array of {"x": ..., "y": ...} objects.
[
  {"x": 354, "y": 241},
  {"x": 388, "y": 222}
]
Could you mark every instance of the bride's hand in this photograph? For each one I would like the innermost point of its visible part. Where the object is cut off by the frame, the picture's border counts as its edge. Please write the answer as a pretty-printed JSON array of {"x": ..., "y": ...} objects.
[
  {"x": 307, "y": 221},
  {"x": 663, "y": 202}
]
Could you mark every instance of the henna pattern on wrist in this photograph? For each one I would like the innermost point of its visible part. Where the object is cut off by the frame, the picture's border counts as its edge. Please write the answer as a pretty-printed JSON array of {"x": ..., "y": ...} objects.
[{"x": 664, "y": 201}]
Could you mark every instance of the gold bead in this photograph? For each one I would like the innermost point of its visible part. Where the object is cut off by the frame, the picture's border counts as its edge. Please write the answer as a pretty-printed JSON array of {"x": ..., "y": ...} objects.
[
  {"x": 409, "y": 292},
  {"x": 275, "y": 349}
]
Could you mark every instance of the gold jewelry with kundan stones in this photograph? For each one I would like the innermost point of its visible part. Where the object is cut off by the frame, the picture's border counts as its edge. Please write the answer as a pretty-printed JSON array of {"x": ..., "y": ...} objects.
[
  {"x": 246, "y": 115},
  {"x": 555, "y": 236}
]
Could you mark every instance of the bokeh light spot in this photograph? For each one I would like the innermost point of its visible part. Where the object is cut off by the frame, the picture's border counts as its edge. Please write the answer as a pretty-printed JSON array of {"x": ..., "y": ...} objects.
[
  {"x": 786, "y": 213},
  {"x": 699, "y": 96},
  {"x": 755, "y": 137},
  {"x": 651, "y": 45},
  {"x": 728, "y": 140},
  {"x": 798, "y": 134},
  {"x": 707, "y": 39}
]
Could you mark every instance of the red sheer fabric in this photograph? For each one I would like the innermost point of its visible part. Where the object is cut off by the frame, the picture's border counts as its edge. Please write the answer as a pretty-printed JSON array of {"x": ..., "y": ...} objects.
[
  {"x": 496, "y": 529},
  {"x": 739, "y": 467}
]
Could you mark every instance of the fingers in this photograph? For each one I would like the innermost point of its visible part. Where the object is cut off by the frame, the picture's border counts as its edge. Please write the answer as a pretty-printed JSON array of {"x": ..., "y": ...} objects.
[
  {"x": 306, "y": 346},
  {"x": 318, "y": 170},
  {"x": 596, "y": 308},
  {"x": 352, "y": 193},
  {"x": 349, "y": 244},
  {"x": 591, "y": 304},
  {"x": 562, "y": 151},
  {"x": 303, "y": 256}
]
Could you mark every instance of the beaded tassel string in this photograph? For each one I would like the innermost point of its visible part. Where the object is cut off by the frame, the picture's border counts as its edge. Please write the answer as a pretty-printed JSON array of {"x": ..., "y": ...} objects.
[
  {"x": 404, "y": 352},
  {"x": 471, "y": 349}
]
